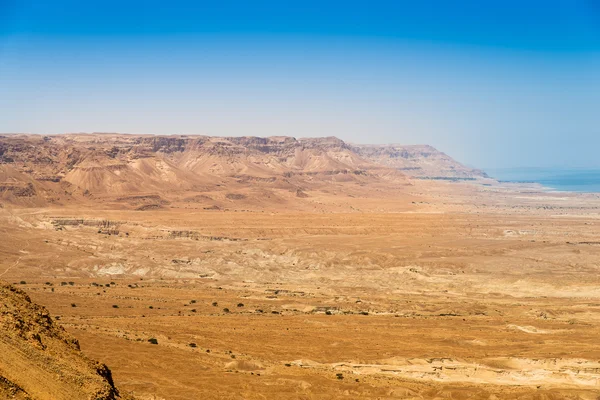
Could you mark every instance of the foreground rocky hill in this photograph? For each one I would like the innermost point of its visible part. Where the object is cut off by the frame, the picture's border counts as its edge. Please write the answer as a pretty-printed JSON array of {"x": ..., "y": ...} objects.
[
  {"x": 39, "y": 170},
  {"x": 39, "y": 360}
]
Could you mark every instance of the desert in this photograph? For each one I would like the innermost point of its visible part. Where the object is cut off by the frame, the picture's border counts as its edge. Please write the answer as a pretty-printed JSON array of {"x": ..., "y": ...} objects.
[{"x": 200, "y": 267}]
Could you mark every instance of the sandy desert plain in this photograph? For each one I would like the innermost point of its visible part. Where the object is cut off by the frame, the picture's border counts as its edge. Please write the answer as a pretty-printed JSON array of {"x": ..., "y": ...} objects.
[{"x": 423, "y": 289}]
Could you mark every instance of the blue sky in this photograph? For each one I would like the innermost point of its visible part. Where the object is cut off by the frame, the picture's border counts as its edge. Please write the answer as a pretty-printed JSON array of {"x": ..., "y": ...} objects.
[{"x": 494, "y": 83}]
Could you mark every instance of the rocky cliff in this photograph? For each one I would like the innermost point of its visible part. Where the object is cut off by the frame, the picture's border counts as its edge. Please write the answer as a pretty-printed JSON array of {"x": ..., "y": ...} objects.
[
  {"x": 39, "y": 360},
  {"x": 420, "y": 161},
  {"x": 38, "y": 170}
]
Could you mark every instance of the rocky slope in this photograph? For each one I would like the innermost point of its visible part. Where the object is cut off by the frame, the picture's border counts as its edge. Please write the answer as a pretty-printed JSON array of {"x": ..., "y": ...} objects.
[
  {"x": 39, "y": 360},
  {"x": 39, "y": 170},
  {"x": 420, "y": 161}
]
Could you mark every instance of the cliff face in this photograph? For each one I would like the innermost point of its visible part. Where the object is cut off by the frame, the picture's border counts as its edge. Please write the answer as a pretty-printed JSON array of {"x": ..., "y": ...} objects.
[
  {"x": 39, "y": 360},
  {"x": 419, "y": 161},
  {"x": 37, "y": 170}
]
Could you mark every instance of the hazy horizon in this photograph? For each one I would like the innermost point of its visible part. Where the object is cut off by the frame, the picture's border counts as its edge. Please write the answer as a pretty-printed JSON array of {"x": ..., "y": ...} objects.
[{"x": 494, "y": 86}]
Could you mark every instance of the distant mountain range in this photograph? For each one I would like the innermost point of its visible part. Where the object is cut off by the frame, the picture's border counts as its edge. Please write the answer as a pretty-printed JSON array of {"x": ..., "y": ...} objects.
[{"x": 38, "y": 170}]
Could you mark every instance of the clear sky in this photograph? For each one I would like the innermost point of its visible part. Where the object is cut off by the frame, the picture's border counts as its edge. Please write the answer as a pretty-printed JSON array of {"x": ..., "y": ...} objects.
[{"x": 492, "y": 83}]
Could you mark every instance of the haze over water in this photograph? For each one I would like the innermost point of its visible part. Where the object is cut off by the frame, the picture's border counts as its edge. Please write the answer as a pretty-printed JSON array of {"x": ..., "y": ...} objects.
[{"x": 560, "y": 179}]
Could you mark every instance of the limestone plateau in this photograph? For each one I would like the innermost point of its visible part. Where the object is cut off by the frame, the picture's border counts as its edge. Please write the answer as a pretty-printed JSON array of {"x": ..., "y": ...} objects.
[{"x": 40, "y": 170}]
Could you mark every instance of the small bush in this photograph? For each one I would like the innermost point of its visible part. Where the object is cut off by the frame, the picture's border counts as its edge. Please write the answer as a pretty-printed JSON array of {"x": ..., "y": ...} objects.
[
  {"x": 73, "y": 305},
  {"x": 240, "y": 305},
  {"x": 23, "y": 283},
  {"x": 192, "y": 301},
  {"x": 152, "y": 341},
  {"x": 339, "y": 376},
  {"x": 115, "y": 306},
  {"x": 151, "y": 307},
  {"x": 226, "y": 310},
  {"x": 71, "y": 283},
  {"x": 192, "y": 345},
  {"x": 193, "y": 310},
  {"x": 215, "y": 304}
]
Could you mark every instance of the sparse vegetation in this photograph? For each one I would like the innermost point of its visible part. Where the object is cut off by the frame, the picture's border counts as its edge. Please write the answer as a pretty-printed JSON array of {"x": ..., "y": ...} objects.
[{"x": 153, "y": 341}]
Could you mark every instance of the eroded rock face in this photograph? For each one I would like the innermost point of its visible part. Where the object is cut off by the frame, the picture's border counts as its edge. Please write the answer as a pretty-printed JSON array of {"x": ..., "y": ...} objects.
[
  {"x": 130, "y": 169},
  {"x": 40, "y": 360},
  {"x": 419, "y": 161}
]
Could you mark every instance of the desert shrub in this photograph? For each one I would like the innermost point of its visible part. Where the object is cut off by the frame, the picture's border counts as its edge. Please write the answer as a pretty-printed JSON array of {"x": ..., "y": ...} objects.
[
  {"x": 192, "y": 345},
  {"x": 152, "y": 341},
  {"x": 328, "y": 312},
  {"x": 274, "y": 312},
  {"x": 339, "y": 376},
  {"x": 215, "y": 304},
  {"x": 193, "y": 310},
  {"x": 151, "y": 307},
  {"x": 364, "y": 313},
  {"x": 192, "y": 301},
  {"x": 226, "y": 310},
  {"x": 71, "y": 283},
  {"x": 63, "y": 284},
  {"x": 73, "y": 305},
  {"x": 240, "y": 305},
  {"x": 23, "y": 283},
  {"x": 115, "y": 306}
]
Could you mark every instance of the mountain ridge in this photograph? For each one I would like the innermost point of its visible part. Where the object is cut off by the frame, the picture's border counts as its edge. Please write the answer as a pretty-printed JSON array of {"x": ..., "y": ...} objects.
[{"x": 42, "y": 169}]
